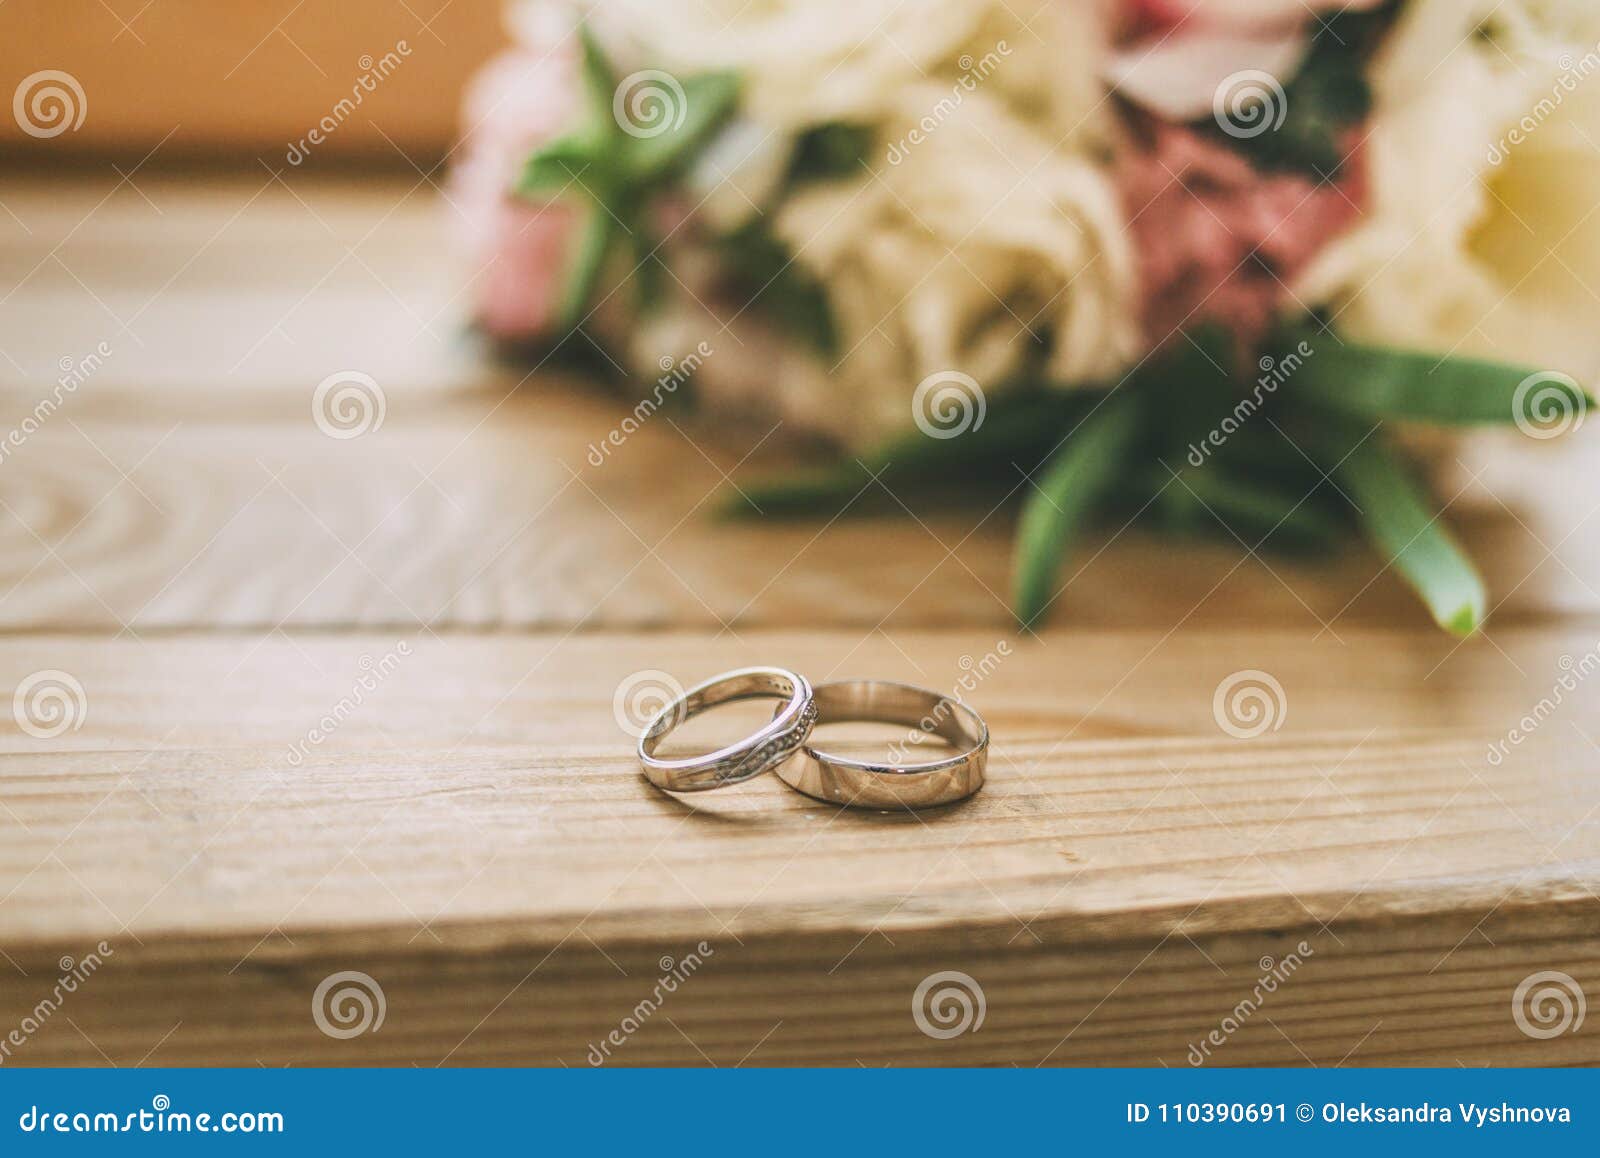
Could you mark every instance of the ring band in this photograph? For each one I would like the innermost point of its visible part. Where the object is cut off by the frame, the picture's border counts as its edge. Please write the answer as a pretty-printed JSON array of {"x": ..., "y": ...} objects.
[
  {"x": 869, "y": 784},
  {"x": 750, "y": 757}
]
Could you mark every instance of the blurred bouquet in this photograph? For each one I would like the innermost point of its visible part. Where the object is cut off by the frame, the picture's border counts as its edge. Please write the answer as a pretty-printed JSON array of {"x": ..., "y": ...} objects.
[{"x": 1209, "y": 263}]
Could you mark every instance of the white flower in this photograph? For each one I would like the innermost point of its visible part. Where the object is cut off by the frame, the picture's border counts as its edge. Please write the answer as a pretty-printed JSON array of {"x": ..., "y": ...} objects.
[
  {"x": 1484, "y": 154},
  {"x": 983, "y": 234},
  {"x": 982, "y": 249},
  {"x": 806, "y": 62},
  {"x": 1545, "y": 22}
]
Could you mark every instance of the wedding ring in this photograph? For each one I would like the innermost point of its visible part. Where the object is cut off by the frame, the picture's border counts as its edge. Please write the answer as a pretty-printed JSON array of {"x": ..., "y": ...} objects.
[
  {"x": 751, "y": 756},
  {"x": 899, "y": 783}
]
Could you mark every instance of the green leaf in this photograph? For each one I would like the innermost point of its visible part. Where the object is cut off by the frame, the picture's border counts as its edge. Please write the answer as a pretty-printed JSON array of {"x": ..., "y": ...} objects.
[
  {"x": 1266, "y": 451},
  {"x": 599, "y": 79},
  {"x": 587, "y": 261},
  {"x": 617, "y": 173},
  {"x": 1190, "y": 385},
  {"x": 1023, "y": 425},
  {"x": 1326, "y": 98},
  {"x": 780, "y": 288},
  {"x": 649, "y": 289},
  {"x": 1399, "y": 519},
  {"x": 1262, "y": 516},
  {"x": 557, "y": 165},
  {"x": 709, "y": 99},
  {"x": 1068, "y": 489},
  {"x": 836, "y": 149},
  {"x": 1376, "y": 382}
]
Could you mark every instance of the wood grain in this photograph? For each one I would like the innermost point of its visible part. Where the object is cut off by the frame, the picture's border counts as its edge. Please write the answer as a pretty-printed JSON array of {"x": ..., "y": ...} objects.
[
  {"x": 1442, "y": 996},
  {"x": 240, "y": 807},
  {"x": 186, "y": 484},
  {"x": 226, "y": 288},
  {"x": 485, "y": 513},
  {"x": 477, "y": 819}
]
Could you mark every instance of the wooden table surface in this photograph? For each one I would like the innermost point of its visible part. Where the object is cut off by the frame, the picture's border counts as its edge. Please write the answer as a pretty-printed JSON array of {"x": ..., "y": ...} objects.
[{"x": 450, "y": 604}]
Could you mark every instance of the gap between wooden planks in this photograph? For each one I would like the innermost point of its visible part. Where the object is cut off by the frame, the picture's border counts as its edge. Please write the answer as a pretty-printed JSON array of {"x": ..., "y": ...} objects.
[{"x": 475, "y": 837}]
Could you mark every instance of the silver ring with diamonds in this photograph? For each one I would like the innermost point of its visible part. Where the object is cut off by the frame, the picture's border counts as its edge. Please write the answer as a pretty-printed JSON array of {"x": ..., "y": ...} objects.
[{"x": 759, "y": 752}]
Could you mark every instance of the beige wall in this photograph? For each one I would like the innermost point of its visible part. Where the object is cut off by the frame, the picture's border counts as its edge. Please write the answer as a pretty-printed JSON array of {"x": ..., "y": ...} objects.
[{"x": 244, "y": 78}]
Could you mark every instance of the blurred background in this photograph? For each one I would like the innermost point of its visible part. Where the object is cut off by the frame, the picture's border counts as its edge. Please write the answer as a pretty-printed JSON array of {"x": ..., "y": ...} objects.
[
  {"x": 182, "y": 165},
  {"x": 184, "y": 214},
  {"x": 229, "y": 85}
]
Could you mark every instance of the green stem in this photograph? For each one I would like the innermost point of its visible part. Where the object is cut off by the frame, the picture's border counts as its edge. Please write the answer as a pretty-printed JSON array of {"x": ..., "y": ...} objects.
[
  {"x": 1398, "y": 517},
  {"x": 1068, "y": 489}
]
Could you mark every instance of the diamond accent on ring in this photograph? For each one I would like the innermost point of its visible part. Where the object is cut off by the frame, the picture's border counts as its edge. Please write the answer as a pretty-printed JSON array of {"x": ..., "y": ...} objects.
[{"x": 774, "y": 752}]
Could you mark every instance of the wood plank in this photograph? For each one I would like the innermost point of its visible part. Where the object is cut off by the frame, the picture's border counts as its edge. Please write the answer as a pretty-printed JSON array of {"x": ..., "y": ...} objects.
[
  {"x": 184, "y": 484},
  {"x": 222, "y": 286},
  {"x": 486, "y": 513},
  {"x": 475, "y": 836},
  {"x": 1443, "y": 997}
]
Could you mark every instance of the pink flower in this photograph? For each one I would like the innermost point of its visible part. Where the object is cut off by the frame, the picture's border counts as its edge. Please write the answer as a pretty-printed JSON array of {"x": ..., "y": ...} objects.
[
  {"x": 521, "y": 100},
  {"x": 1217, "y": 240},
  {"x": 1176, "y": 54}
]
